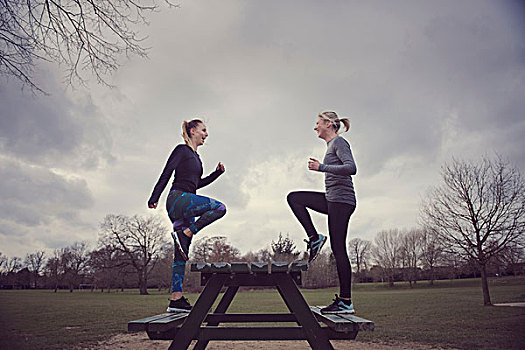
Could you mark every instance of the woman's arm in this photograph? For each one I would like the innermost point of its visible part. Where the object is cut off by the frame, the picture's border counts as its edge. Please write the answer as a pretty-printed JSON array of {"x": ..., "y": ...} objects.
[
  {"x": 344, "y": 153},
  {"x": 212, "y": 177},
  {"x": 165, "y": 176}
]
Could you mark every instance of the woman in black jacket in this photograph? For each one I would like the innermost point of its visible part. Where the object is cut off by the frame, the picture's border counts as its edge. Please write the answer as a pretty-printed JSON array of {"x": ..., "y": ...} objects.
[{"x": 184, "y": 205}]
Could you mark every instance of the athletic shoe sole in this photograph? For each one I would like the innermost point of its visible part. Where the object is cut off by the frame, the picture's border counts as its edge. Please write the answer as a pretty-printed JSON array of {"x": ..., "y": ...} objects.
[
  {"x": 318, "y": 250},
  {"x": 174, "y": 309},
  {"x": 338, "y": 312},
  {"x": 178, "y": 245}
]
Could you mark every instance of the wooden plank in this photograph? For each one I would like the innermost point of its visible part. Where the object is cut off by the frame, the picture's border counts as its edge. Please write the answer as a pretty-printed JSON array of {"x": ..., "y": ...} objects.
[
  {"x": 201, "y": 267},
  {"x": 364, "y": 324},
  {"x": 343, "y": 322},
  {"x": 142, "y": 324},
  {"x": 220, "y": 267},
  {"x": 333, "y": 321},
  {"x": 240, "y": 267},
  {"x": 244, "y": 267},
  {"x": 279, "y": 267},
  {"x": 298, "y": 266},
  {"x": 258, "y": 267},
  {"x": 166, "y": 323}
]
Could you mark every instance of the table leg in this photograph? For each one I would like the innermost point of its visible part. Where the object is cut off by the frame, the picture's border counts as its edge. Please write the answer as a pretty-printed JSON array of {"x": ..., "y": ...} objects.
[
  {"x": 297, "y": 305},
  {"x": 191, "y": 326},
  {"x": 226, "y": 300},
  {"x": 221, "y": 308}
]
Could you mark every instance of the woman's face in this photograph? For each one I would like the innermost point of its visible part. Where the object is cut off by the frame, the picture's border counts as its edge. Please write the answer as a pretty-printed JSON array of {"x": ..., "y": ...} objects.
[
  {"x": 322, "y": 127},
  {"x": 199, "y": 134}
]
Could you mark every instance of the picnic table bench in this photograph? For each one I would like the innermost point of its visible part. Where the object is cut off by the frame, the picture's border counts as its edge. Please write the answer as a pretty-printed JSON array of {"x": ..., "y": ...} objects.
[{"x": 311, "y": 324}]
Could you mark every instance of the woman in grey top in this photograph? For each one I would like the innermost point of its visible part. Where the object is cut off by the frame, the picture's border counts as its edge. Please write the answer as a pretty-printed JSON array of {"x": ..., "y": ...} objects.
[{"x": 338, "y": 203}]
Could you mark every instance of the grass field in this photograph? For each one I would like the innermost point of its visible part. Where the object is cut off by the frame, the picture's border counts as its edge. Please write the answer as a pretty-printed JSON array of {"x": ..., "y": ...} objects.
[{"x": 448, "y": 314}]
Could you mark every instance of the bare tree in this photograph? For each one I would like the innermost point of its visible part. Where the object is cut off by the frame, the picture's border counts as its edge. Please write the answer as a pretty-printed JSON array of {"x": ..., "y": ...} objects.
[
  {"x": 35, "y": 262},
  {"x": 3, "y": 261},
  {"x": 284, "y": 249},
  {"x": 262, "y": 255},
  {"x": 201, "y": 249},
  {"x": 54, "y": 270},
  {"x": 359, "y": 253},
  {"x": 74, "y": 261},
  {"x": 386, "y": 252},
  {"x": 161, "y": 274},
  {"x": 13, "y": 264},
  {"x": 511, "y": 256},
  {"x": 410, "y": 254},
  {"x": 108, "y": 266},
  {"x": 139, "y": 239},
  {"x": 431, "y": 252},
  {"x": 321, "y": 273},
  {"x": 479, "y": 209},
  {"x": 215, "y": 249},
  {"x": 78, "y": 34}
]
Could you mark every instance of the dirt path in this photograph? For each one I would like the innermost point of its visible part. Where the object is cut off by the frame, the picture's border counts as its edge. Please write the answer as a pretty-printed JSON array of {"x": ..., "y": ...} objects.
[{"x": 138, "y": 341}]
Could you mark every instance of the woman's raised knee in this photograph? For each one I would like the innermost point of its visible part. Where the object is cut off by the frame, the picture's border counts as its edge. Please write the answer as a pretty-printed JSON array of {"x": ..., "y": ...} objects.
[
  {"x": 221, "y": 209},
  {"x": 291, "y": 197}
]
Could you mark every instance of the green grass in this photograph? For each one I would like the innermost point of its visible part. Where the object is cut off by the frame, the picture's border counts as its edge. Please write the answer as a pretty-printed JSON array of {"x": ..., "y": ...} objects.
[{"x": 448, "y": 314}]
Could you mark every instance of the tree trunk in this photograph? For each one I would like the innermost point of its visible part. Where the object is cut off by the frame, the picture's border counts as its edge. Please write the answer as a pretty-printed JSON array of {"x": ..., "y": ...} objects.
[
  {"x": 390, "y": 281},
  {"x": 485, "y": 285},
  {"x": 143, "y": 283}
]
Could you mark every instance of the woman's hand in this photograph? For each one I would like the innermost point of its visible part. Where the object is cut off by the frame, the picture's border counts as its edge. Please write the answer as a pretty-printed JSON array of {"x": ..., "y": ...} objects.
[
  {"x": 153, "y": 205},
  {"x": 313, "y": 164},
  {"x": 220, "y": 167}
]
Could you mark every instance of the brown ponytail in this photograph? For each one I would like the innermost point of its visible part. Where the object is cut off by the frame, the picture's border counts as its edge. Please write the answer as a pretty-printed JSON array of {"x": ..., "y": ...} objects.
[
  {"x": 335, "y": 120},
  {"x": 346, "y": 123}
]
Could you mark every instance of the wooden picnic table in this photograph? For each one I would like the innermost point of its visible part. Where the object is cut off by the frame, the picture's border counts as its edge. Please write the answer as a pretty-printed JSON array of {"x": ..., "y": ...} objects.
[{"x": 184, "y": 327}]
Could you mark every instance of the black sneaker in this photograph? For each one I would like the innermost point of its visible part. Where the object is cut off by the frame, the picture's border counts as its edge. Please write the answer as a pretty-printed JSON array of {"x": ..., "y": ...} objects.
[
  {"x": 179, "y": 305},
  {"x": 314, "y": 247},
  {"x": 182, "y": 243},
  {"x": 339, "y": 306}
]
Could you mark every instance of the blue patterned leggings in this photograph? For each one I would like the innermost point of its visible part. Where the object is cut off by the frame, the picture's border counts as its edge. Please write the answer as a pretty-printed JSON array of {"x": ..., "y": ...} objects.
[{"x": 183, "y": 208}]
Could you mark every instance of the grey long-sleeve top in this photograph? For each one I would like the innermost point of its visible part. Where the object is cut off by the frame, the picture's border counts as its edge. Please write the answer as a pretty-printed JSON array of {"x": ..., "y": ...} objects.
[{"x": 339, "y": 166}]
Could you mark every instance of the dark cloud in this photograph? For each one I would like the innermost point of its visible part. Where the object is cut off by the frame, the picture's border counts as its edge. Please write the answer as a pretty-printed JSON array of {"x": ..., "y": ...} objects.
[
  {"x": 34, "y": 196},
  {"x": 420, "y": 81},
  {"x": 56, "y": 130}
]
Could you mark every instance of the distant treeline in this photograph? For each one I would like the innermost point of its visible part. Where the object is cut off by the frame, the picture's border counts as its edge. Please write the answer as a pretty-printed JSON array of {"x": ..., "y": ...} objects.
[{"x": 393, "y": 256}]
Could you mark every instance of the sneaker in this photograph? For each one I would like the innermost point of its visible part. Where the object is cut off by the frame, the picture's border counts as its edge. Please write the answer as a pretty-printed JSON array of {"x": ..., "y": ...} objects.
[
  {"x": 339, "y": 306},
  {"x": 182, "y": 243},
  {"x": 179, "y": 305},
  {"x": 314, "y": 247}
]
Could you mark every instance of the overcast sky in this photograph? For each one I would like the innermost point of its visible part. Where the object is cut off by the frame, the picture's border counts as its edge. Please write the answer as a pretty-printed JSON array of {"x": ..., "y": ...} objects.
[{"x": 421, "y": 81}]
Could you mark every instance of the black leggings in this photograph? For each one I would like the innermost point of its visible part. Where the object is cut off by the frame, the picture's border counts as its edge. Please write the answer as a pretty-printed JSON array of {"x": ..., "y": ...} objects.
[{"x": 338, "y": 219}]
